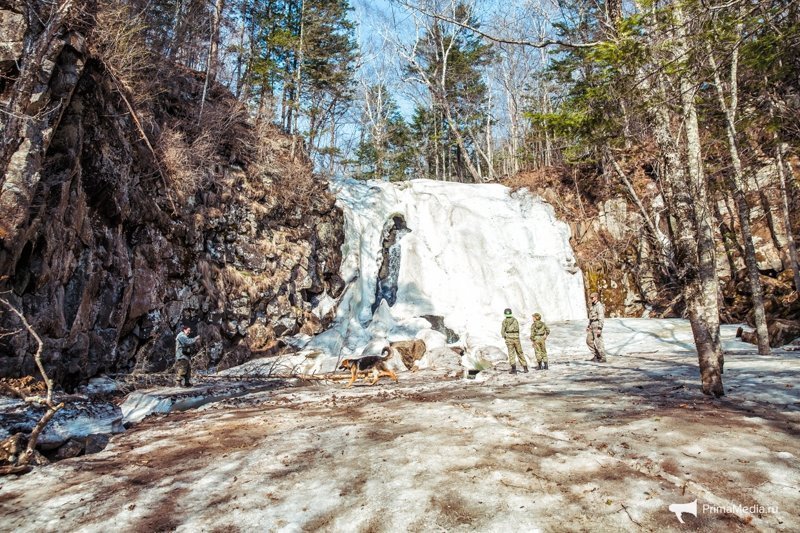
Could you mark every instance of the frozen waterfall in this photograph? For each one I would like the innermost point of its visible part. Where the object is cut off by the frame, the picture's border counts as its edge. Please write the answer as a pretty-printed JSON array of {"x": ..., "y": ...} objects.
[{"x": 461, "y": 252}]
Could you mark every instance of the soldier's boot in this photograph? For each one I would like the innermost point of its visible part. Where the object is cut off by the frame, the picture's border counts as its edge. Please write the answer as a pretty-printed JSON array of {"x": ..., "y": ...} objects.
[
  {"x": 513, "y": 369},
  {"x": 545, "y": 365},
  {"x": 525, "y": 369},
  {"x": 539, "y": 365}
]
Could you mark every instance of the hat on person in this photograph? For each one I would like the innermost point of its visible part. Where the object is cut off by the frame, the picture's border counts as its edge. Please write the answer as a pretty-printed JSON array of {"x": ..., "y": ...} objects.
[{"x": 507, "y": 312}]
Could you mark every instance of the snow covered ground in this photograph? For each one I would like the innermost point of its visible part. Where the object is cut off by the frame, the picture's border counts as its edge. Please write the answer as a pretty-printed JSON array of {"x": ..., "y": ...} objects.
[{"x": 581, "y": 447}]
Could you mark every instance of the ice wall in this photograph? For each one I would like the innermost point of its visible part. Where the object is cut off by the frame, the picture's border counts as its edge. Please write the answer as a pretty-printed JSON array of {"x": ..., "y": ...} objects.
[{"x": 472, "y": 251}]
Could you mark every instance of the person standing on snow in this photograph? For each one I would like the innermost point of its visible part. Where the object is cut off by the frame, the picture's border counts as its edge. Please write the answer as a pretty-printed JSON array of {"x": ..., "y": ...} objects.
[
  {"x": 510, "y": 333},
  {"x": 539, "y": 333},
  {"x": 594, "y": 331},
  {"x": 183, "y": 364}
]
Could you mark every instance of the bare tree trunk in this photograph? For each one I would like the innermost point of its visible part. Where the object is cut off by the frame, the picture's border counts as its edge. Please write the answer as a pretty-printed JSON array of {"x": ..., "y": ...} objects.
[
  {"x": 696, "y": 262},
  {"x": 489, "y": 142},
  {"x": 286, "y": 110},
  {"x": 784, "y": 192},
  {"x": 176, "y": 23},
  {"x": 703, "y": 299},
  {"x": 728, "y": 240},
  {"x": 298, "y": 77},
  {"x": 785, "y": 211},
  {"x": 212, "y": 61},
  {"x": 242, "y": 92},
  {"x": 216, "y": 22},
  {"x": 737, "y": 190},
  {"x": 513, "y": 133},
  {"x": 436, "y": 148},
  {"x": 770, "y": 205},
  {"x": 473, "y": 172}
]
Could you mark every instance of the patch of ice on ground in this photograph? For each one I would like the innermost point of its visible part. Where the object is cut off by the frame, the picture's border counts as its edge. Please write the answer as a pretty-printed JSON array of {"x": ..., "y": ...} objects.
[
  {"x": 79, "y": 418},
  {"x": 139, "y": 404}
]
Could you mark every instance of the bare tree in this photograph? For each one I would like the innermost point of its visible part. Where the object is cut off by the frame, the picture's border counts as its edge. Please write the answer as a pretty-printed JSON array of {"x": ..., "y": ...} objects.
[
  {"x": 686, "y": 192},
  {"x": 436, "y": 81},
  {"x": 212, "y": 61},
  {"x": 729, "y": 108}
]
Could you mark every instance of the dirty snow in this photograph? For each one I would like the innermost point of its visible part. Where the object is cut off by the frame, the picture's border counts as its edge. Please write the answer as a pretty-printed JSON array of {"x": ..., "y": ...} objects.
[
  {"x": 142, "y": 403},
  {"x": 582, "y": 446}
]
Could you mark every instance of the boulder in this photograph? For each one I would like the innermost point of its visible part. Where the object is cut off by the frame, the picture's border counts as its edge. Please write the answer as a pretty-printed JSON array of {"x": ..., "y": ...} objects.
[
  {"x": 410, "y": 351},
  {"x": 71, "y": 448},
  {"x": 96, "y": 442}
]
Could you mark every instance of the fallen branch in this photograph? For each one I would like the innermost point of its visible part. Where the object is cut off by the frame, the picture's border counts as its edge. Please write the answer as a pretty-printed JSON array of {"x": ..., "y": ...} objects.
[
  {"x": 8, "y": 390},
  {"x": 11, "y": 470},
  {"x": 324, "y": 377},
  {"x": 515, "y": 486},
  {"x": 52, "y": 408},
  {"x": 629, "y": 515},
  {"x": 37, "y": 430}
]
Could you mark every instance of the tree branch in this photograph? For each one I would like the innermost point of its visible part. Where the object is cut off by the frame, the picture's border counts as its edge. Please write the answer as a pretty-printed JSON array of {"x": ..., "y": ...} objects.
[
  {"x": 502, "y": 40},
  {"x": 38, "y": 355},
  {"x": 52, "y": 409}
]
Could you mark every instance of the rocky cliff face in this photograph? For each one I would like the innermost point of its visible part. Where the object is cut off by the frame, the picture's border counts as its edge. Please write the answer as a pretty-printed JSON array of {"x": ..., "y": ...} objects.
[
  {"x": 624, "y": 248},
  {"x": 126, "y": 214}
]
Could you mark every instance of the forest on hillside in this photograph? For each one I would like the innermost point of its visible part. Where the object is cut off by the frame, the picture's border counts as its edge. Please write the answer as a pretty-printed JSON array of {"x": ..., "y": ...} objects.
[{"x": 686, "y": 110}]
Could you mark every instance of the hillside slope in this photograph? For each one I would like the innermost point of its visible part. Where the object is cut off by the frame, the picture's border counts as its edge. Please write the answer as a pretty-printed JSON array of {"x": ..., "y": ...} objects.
[{"x": 128, "y": 208}]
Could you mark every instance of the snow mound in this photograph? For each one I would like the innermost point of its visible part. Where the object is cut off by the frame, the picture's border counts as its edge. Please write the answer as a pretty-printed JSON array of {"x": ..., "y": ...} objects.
[{"x": 472, "y": 250}]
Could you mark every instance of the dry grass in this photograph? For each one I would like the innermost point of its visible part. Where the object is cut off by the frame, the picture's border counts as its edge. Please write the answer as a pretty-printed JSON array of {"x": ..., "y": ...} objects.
[
  {"x": 289, "y": 182},
  {"x": 118, "y": 41},
  {"x": 227, "y": 283},
  {"x": 188, "y": 164},
  {"x": 191, "y": 148}
]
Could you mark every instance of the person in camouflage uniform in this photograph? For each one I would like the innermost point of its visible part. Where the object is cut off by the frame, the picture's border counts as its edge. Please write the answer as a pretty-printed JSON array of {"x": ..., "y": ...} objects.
[
  {"x": 594, "y": 331},
  {"x": 183, "y": 364},
  {"x": 510, "y": 333},
  {"x": 539, "y": 333}
]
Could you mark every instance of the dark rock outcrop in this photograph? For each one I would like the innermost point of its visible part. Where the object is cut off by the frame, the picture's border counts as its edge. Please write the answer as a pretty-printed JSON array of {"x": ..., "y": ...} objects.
[{"x": 140, "y": 217}]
